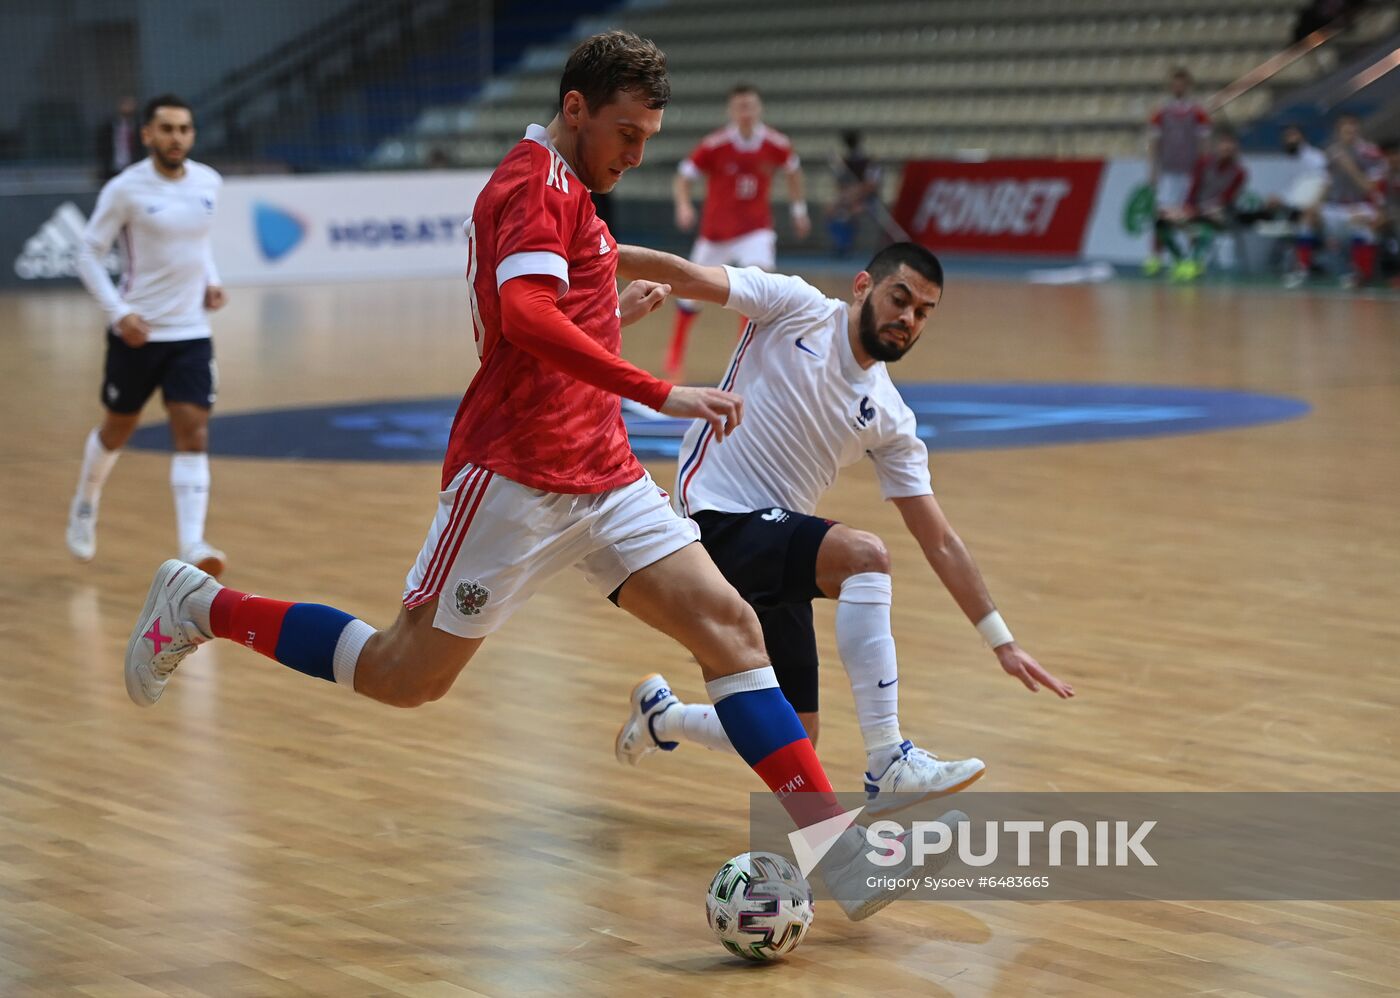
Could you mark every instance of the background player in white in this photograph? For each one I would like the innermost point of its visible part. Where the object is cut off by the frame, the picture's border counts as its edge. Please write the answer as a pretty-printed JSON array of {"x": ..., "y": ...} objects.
[
  {"x": 736, "y": 227},
  {"x": 812, "y": 373},
  {"x": 161, "y": 209},
  {"x": 1349, "y": 212},
  {"x": 1177, "y": 131}
]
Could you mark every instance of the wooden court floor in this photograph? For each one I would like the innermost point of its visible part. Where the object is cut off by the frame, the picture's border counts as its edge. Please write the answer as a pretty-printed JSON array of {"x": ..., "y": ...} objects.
[{"x": 1226, "y": 605}]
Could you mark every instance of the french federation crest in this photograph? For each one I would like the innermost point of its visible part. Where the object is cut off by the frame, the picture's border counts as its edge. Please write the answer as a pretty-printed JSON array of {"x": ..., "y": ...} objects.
[{"x": 471, "y": 597}]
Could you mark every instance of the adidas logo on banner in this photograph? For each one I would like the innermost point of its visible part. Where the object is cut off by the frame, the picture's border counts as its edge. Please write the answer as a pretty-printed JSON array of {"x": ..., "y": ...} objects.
[{"x": 53, "y": 250}]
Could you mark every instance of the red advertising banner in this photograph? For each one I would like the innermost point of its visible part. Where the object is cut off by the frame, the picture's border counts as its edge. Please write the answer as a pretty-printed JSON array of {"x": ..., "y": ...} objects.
[{"x": 1038, "y": 206}]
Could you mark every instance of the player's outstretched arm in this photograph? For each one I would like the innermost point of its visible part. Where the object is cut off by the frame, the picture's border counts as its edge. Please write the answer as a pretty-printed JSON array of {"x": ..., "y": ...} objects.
[
  {"x": 532, "y": 321},
  {"x": 688, "y": 280},
  {"x": 959, "y": 574}
]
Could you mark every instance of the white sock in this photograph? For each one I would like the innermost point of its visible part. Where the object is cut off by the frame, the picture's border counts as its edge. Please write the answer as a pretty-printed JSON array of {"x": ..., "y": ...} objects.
[
  {"x": 189, "y": 481},
  {"x": 97, "y": 465},
  {"x": 347, "y": 651},
  {"x": 198, "y": 604},
  {"x": 866, "y": 644},
  {"x": 692, "y": 722}
]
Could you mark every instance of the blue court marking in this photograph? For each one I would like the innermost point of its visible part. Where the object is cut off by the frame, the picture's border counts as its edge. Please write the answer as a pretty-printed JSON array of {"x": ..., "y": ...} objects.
[{"x": 951, "y": 416}]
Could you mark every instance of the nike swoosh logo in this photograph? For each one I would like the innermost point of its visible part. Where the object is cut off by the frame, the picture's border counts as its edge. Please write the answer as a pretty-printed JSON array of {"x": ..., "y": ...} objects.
[
  {"x": 805, "y": 349},
  {"x": 883, "y": 685}
]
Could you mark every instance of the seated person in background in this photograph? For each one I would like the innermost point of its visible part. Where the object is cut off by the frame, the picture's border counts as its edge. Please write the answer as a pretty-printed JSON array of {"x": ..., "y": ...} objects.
[
  {"x": 1388, "y": 232},
  {"x": 1216, "y": 184},
  {"x": 1307, "y": 183},
  {"x": 1350, "y": 210}
]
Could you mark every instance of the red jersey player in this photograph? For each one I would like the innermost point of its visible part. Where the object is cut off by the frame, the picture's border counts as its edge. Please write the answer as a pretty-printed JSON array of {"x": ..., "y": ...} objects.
[
  {"x": 736, "y": 227},
  {"x": 1176, "y": 138},
  {"x": 1216, "y": 184},
  {"x": 538, "y": 474}
]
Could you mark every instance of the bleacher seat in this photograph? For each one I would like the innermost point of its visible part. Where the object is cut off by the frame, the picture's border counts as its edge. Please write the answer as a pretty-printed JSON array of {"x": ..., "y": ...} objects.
[{"x": 918, "y": 77}]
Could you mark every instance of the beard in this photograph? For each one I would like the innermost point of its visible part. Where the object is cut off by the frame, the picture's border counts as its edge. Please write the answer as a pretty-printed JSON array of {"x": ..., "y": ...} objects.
[
  {"x": 870, "y": 336},
  {"x": 167, "y": 161}
]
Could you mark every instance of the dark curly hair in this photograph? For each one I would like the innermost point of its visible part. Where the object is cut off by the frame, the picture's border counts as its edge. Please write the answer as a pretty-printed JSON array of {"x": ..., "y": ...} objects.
[{"x": 605, "y": 65}]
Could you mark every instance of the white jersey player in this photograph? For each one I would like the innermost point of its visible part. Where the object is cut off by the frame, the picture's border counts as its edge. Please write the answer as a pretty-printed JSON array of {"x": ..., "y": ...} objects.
[
  {"x": 818, "y": 397},
  {"x": 160, "y": 210}
]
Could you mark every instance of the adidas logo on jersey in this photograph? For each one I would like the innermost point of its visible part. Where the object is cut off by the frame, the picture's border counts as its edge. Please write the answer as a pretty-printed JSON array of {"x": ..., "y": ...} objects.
[
  {"x": 53, "y": 250},
  {"x": 603, "y": 244}
]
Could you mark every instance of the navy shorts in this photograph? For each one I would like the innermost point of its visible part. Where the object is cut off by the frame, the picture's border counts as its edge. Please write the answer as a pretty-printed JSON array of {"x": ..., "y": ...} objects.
[
  {"x": 770, "y": 557},
  {"x": 183, "y": 370}
]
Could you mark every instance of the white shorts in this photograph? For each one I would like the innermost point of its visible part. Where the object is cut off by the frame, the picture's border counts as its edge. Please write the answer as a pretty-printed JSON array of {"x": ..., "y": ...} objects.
[
  {"x": 753, "y": 249},
  {"x": 1171, "y": 191},
  {"x": 1346, "y": 220},
  {"x": 495, "y": 541}
]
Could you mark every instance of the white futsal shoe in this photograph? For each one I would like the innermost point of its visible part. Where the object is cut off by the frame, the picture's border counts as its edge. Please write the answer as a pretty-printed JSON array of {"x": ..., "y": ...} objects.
[
  {"x": 82, "y": 530},
  {"x": 849, "y": 874},
  {"x": 164, "y": 634},
  {"x": 915, "y": 775},
  {"x": 206, "y": 558},
  {"x": 636, "y": 739}
]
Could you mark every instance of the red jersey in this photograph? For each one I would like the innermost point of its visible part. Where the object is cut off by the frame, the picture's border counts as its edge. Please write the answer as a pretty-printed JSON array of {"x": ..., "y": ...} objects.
[
  {"x": 740, "y": 174},
  {"x": 521, "y": 418},
  {"x": 1181, "y": 128},
  {"x": 1216, "y": 183}
]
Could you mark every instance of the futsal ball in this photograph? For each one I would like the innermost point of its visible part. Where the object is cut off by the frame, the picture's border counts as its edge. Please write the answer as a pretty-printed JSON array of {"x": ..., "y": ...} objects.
[{"x": 759, "y": 906}]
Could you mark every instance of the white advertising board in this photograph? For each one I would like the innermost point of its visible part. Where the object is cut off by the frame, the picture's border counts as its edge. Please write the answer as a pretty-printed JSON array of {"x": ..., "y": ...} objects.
[
  {"x": 1120, "y": 226},
  {"x": 341, "y": 227}
]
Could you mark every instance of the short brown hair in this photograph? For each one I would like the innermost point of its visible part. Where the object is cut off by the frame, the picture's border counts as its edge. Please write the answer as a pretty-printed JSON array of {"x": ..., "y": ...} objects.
[{"x": 613, "y": 62}]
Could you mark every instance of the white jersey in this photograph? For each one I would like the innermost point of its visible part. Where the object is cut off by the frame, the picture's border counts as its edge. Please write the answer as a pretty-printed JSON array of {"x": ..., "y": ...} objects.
[
  {"x": 163, "y": 227},
  {"x": 809, "y": 409}
]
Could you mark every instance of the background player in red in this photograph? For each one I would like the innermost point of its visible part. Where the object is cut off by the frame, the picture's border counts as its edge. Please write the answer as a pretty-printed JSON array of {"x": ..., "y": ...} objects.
[
  {"x": 736, "y": 227},
  {"x": 1216, "y": 184},
  {"x": 1176, "y": 138},
  {"x": 539, "y": 475}
]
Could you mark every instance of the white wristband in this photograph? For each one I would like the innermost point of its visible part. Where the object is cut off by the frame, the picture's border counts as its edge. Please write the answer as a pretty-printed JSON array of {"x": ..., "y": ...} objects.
[
  {"x": 994, "y": 630},
  {"x": 798, "y": 209}
]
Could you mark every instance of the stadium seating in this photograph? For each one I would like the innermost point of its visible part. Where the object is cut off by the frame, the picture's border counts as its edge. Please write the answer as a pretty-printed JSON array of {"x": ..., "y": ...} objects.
[{"x": 918, "y": 77}]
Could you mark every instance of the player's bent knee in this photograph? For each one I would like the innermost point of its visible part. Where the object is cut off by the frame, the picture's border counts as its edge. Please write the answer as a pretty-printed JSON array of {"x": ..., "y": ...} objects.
[
  {"x": 866, "y": 553},
  {"x": 812, "y": 723},
  {"x": 733, "y": 639}
]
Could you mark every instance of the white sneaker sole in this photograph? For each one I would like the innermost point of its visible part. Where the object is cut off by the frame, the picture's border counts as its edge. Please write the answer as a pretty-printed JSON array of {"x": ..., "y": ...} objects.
[
  {"x": 893, "y": 803},
  {"x": 213, "y": 563},
  {"x": 80, "y": 553},
  {"x": 134, "y": 688}
]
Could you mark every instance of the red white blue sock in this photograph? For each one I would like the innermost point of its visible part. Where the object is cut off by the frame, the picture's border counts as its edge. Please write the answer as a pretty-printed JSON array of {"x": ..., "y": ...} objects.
[
  {"x": 765, "y": 731},
  {"x": 318, "y": 640}
]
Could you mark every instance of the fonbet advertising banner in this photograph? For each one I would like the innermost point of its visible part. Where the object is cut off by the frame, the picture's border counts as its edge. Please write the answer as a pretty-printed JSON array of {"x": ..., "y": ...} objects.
[
  {"x": 1099, "y": 210},
  {"x": 1032, "y": 206}
]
